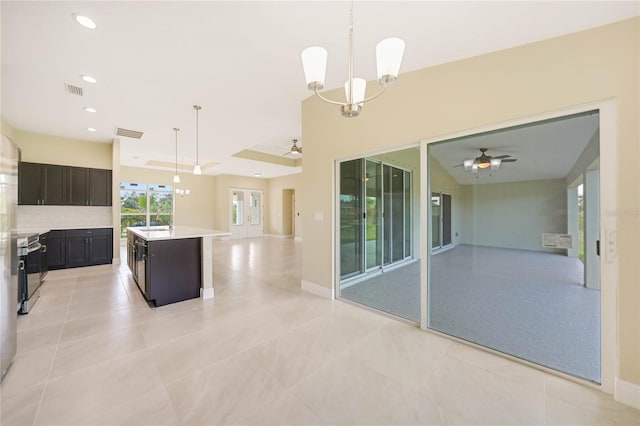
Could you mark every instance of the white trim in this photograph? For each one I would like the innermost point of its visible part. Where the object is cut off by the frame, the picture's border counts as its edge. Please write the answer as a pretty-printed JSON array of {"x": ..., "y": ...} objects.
[
  {"x": 206, "y": 293},
  {"x": 627, "y": 393},
  {"x": 318, "y": 290},
  {"x": 298, "y": 238},
  {"x": 115, "y": 261},
  {"x": 278, "y": 235}
]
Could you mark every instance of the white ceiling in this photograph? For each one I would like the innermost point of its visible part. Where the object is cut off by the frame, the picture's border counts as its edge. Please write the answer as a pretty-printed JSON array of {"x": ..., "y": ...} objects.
[
  {"x": 239, "y": 60},
  {"x": 544, "y": 150}
]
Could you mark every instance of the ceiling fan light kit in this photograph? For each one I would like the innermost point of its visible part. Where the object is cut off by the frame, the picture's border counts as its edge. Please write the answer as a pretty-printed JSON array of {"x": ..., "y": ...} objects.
[
  {"x": 389, "y": 54},
  {"x": 295, "y": 150},
  {"x": 485, "y": 161}
]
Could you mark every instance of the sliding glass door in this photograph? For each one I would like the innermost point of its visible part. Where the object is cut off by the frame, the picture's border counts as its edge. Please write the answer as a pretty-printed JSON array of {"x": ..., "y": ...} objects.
[{"x": 375, "y": 216}]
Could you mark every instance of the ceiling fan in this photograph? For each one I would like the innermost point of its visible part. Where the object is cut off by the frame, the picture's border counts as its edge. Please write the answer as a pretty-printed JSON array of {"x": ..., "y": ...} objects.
[
  {"x": 484, "y": 161},
  {"x": 295, "y": 150}
]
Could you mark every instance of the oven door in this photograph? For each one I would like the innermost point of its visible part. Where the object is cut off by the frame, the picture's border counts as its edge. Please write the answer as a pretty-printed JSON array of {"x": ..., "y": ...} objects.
[{"x": 34, "y": 269}]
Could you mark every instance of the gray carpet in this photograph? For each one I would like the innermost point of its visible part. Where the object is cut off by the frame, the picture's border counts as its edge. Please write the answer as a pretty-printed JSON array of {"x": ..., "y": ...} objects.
[{"x": 527, "y": 304}]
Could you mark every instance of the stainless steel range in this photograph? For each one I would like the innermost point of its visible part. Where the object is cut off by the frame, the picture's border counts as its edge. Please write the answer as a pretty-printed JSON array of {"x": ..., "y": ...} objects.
[{"x": 32, "y": 270}]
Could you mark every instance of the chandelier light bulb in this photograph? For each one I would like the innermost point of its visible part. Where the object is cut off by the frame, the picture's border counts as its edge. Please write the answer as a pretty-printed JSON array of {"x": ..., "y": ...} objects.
[
  {"x": 389, "y": 54},
  {"x": 176, "y": 178},
  {"x": 197, "y": 170},
  {"x": 314, "y": 63}
]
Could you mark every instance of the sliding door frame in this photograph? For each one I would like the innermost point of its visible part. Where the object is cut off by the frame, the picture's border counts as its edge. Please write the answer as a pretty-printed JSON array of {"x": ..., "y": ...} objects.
[{"x": 608, "y": 112}]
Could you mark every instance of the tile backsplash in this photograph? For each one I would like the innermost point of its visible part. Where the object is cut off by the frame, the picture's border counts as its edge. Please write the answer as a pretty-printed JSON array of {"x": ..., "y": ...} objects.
[{"x": 53, "y": 217}]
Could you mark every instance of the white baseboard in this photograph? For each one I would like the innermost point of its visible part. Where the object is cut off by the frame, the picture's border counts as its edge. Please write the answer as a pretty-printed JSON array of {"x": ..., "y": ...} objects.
[
  {"x": 115, "y": 261},
  {"x": 318, "y": 290},
  {"x": 278, "y": 235},
  {"x": 626, "y": 393},
  {"x": 206, "y": 293},
  {"x": 298, "y": 238}
]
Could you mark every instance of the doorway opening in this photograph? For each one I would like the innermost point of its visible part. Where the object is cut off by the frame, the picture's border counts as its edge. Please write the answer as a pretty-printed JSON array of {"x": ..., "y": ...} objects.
[
  {"x": 288, "y": 212},
  {"x": 514, "y": 280},
  {"x": 376, "y": 210}
]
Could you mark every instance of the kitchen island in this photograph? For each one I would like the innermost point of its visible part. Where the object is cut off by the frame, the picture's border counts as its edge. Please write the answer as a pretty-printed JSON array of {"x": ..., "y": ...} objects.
[{"x": 172, "y": 265}]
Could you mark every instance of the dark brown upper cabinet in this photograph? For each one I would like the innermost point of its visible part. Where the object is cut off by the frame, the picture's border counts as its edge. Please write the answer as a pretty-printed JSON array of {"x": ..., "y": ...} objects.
[
  {"x": 41, "y": 184},
  {"x": 50, "y": 184}
]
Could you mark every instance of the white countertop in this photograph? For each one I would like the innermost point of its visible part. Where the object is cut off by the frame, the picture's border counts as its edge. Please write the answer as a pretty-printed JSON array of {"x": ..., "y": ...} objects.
[{"x": 153, "y": 233}]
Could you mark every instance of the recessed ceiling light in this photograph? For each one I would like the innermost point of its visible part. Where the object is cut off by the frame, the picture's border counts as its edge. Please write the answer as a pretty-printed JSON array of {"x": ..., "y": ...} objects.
[
  {"x": 89, "y": 109},
  {"x": 88, "y": 78},
  {"x": 91, "y": 129},
  {"x": 85, "y": 21},
  {"x": 257, "y": 174}
]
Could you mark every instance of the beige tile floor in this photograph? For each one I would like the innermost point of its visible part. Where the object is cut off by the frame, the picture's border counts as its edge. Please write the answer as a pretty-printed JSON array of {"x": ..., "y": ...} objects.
[{"x": 262, "y": 352}]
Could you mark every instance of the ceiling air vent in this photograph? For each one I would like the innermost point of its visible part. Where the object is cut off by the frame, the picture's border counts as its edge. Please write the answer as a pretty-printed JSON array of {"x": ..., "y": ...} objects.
[
  {"x": 129, "y": 133},
  {"x": 73, "y": 90}
]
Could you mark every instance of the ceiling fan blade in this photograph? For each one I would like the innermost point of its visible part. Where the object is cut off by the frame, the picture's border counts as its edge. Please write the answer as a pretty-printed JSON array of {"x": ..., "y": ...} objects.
[
  {"x": 510, "y": 160},
  {"x": 501, "y": 156}
]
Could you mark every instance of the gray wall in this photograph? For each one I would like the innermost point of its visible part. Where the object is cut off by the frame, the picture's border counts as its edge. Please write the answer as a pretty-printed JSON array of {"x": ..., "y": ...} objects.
[{"x": 513, "y": 215}]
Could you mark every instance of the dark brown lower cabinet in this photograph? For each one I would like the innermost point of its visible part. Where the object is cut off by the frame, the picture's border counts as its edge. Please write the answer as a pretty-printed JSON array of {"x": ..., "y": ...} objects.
[
  {"x": 56, "y": 248},
  {"x": 79, "y": 247}
]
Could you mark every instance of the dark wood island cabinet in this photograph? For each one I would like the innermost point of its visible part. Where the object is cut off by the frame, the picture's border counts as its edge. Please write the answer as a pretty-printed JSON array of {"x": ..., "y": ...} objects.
[{"x": 171, "y": 265}]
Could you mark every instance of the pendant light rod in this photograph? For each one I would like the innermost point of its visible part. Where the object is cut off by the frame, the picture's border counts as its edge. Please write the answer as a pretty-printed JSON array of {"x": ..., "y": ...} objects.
[
  {"x": 176, "y": 176},
  {"x": 350, "y": 94},
  {"x": 196, "y": 169}
]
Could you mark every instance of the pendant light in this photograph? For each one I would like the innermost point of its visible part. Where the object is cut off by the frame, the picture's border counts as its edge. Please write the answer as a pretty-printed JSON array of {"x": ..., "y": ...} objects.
[
  {"x": 389, "y": 54},
  {"x": 176, "y": 177},
  {"x": 196, "y": 169}
]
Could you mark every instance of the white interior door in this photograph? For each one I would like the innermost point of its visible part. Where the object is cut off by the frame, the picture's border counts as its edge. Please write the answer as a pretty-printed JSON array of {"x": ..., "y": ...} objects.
[{"x": 246, "y": 213}]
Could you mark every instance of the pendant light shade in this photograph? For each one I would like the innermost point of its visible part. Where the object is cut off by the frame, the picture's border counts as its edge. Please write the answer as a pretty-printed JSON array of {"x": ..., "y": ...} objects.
[
  {"x": 389, "y": 54},
  {"x": 314, "y": 63},
  {"x": 196, "y": 169},
  {"x": 176, "y": 176}
]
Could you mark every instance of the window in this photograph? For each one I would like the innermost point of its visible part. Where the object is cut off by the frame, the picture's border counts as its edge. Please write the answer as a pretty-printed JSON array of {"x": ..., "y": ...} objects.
[{"x": 144, "y": 205}]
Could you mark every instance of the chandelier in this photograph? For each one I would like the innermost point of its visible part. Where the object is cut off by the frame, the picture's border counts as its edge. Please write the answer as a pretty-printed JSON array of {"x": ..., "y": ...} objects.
[{"x": 388, "y": 58}]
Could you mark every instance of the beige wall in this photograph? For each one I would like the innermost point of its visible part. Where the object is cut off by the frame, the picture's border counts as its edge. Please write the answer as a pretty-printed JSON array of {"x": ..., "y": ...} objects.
[
  {"x": 224, "y": 183},
  {"x": 580, "y": 68},
  {"x": 197, "y": 209},
  {"x": 39, "y": 148},
  {"x": 277, "y": 212}
]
